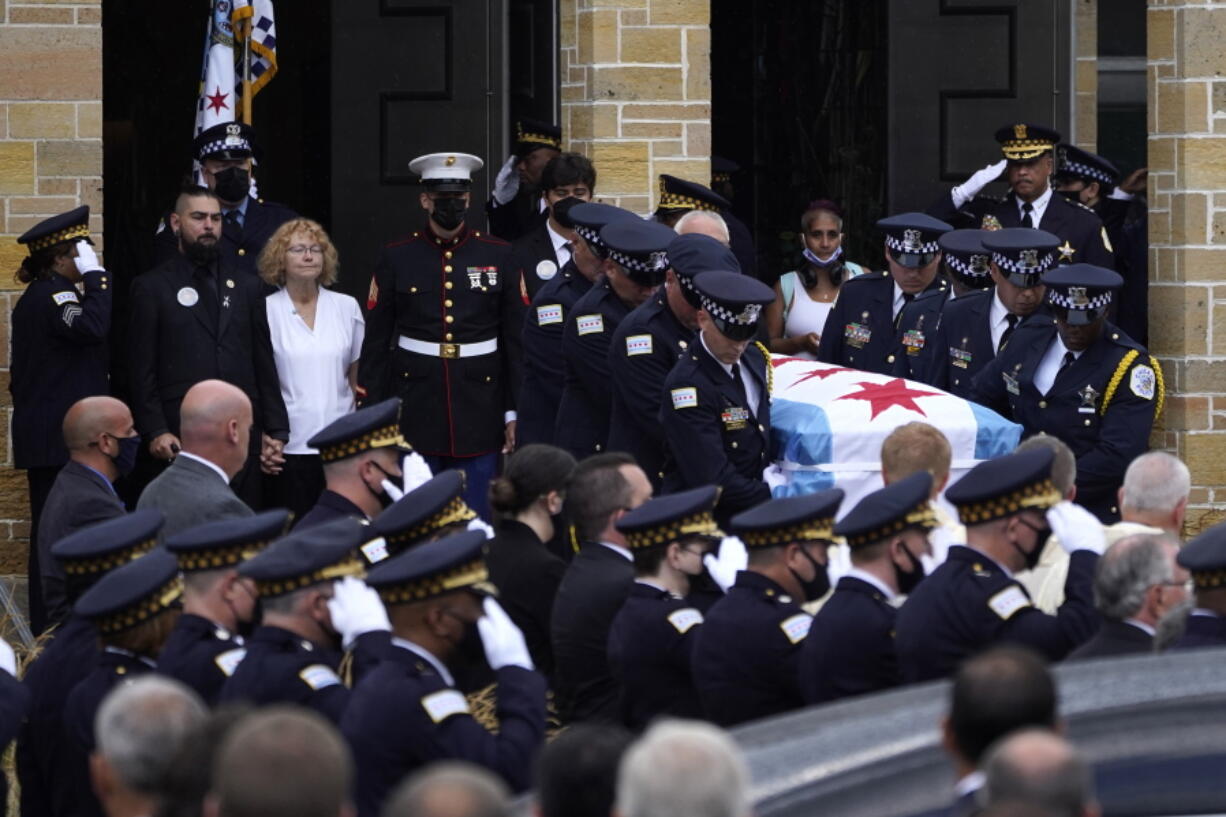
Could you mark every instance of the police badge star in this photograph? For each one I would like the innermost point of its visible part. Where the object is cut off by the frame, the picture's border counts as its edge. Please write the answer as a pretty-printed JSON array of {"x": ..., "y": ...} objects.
[{"x": 911, "y": 241}]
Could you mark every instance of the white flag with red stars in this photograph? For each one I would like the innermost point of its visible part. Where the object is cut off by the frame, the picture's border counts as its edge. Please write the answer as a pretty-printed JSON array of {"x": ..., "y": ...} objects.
[{"x": 218, "y": 101}]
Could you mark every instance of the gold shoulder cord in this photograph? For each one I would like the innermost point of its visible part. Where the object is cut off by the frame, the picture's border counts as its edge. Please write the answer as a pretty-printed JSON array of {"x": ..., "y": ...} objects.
[
  {"x": 770, "y": 370},
  {"x": 1118, "y": 377}
]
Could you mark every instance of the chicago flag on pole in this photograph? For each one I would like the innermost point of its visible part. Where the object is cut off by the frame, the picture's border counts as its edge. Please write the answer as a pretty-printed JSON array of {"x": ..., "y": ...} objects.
[{"x": 218, "y": 101}]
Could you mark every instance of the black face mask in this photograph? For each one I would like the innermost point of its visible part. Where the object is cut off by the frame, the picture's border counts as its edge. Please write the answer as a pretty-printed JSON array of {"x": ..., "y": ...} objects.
[
  {"x": 201, "y": 254},
  {"x": 232, "y": 184},
  {"x": 908, "y": 580},
  {"x": 449, "y": 213},
  {"x": 819, "y": 585},
  {"x": 384, "y": 500},
  {"x": 1032, "y": 558},
  {"x": 125, "y": 460}
]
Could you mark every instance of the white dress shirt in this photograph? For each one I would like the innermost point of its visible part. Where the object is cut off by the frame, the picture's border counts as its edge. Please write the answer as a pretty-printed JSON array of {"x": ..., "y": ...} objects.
[
  {"x": 869, "y": 578},
  {"x": 214, "y": 466},
  {"x": 1039, "y": 205},
  {"x": 1049, "y": 366},
  {"x": 998, "y": 320},
  {"x": 429, "y": 658},
  {"x": 561, "y": 245},
  {"x": 752, "y": 393},
  {"x": 619, "y": 550},
  {"x": 899, "y": 300}
]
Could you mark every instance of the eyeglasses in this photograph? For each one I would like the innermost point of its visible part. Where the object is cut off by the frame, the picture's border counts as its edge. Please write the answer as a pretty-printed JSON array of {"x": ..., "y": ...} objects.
[{"x": 299, "y": 249}]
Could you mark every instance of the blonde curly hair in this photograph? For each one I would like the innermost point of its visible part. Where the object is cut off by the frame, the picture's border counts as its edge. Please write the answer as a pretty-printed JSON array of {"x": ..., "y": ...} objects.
[{"x": 272, "y": 257}]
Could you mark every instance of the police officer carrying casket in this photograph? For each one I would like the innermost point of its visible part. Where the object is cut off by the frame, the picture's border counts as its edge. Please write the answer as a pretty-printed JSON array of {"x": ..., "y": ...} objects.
[
  {"x": 443, "y": 324},
  {"x": 1079, "y": 378}
]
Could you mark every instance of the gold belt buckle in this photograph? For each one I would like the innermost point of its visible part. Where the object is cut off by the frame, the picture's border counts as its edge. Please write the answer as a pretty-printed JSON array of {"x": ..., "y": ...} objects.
[{"x": 451, "y": 351}]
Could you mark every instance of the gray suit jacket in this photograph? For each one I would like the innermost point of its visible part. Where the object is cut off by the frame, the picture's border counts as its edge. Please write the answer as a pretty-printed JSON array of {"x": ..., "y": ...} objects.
[{"x": 189, "y": 493}]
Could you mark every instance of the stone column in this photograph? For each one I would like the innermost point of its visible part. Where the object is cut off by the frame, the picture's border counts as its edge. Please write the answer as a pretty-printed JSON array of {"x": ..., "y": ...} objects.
[
  {"x": 50, "y": 162},
  {"x": 636, "y": 92},
  {"x": 1187, "y": 239},
  {"x": 1085, "y": 75}
]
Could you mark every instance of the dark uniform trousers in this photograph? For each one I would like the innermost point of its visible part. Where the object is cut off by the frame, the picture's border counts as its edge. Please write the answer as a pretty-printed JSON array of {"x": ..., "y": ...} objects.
[
  {"x": 645, "y": 348},
  {"x": 962, "y": 345},
  {"x": 1085, "y": 239},
  {"x": 14, "y": 704},
  {"x": 850, "y": 647},
  {"x": 200, "y": 654},
  {"x": 58, "y": 356},
  {"x": 330, "y": 506},
  {"x": 714, "y": 437},
  {"x": 860, "y": 331},
  {"x": 747, "y": 659},
  {"x": 651, "y": 645},
  {"x": 404, "y": 716},
  {"x": 918, "y": 323},
  {"x": 281, "y": 667},
  {"x": 1202, "y": 631},
  {"x": 587, "y": 396},
  {"x": 73, "y": 792},
  {"x": 969, "y": 604},
  {"x": 67, "y": 658},
  {"x": 544, "y": 369},
  {"x": 1114, "y": 638},
  {"x": 240, "y": 245},
  {"x": 443, "y": 325},
  {"x": 1102, "y": 406}
]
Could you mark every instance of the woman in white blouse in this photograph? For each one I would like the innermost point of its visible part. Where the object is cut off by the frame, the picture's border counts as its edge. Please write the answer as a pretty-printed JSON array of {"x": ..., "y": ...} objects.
[
  {"x": 803, "y": 299},
  {"x": 316, "y": 339}
]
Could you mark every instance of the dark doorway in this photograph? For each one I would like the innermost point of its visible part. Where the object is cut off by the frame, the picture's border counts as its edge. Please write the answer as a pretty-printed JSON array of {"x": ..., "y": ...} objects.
[{"x": 799, "y": 102}]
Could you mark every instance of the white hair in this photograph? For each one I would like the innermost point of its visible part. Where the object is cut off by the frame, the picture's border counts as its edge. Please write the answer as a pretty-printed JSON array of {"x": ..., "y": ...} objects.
[
  {"x": 1156, "y": 481},
  {"x": 721, "y": 226},
  {"x": 141, "y": 726},
  {"x": 683, "y": 769}
]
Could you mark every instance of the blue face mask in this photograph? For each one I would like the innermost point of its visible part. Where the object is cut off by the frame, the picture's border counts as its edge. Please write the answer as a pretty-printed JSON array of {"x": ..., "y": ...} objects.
[
  {"x": 812, "y": 258},
  {"x": 125, "y": 460}
]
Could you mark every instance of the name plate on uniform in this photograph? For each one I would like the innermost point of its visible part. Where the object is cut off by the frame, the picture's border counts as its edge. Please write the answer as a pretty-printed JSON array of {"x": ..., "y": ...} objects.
[
  {"x": 1011, "y": 384},
  {"x": 857, "y": 334},
  {"x": 735, "y": 418},
  {"x": 913, "y": 339}
]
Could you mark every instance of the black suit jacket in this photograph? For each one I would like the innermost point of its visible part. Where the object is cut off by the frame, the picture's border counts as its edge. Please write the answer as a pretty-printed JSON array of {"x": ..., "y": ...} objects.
[
  {"x": 592, "y": 591},
  {"x": 240, "y": 245},
  {"x": 79, "y": 498},
  {"x": 1114, "y": 638},
  {"x": 534, "y": 254},
  {"x": 173, "y": 346},
  {"x": 527, "y": 576}
]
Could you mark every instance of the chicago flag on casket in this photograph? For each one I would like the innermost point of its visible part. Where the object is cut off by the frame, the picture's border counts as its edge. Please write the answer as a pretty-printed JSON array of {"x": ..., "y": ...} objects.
[{"x": 828, "y": 423}]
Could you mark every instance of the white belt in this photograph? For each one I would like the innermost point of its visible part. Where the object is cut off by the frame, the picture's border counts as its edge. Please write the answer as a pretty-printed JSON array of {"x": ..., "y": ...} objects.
[{"x": 449, "y": 350}]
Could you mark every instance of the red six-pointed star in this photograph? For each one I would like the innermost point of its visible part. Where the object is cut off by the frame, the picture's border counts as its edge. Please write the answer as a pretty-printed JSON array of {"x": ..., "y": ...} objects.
[
  {"x": 217, "y": 100},
  {"x": 894, "y": 393},
  {"x": 819, "y": 374}
]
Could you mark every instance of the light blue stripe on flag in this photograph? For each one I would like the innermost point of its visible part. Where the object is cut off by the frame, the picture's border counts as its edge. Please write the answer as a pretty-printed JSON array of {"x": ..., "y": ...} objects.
[
  {"x": 994, "y": 435},
  {"x": 801, "y": 435}
]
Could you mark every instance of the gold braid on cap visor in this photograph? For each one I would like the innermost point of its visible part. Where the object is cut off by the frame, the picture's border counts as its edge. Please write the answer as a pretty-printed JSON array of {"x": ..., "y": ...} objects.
[
  {"x": 148, "y": 607},
  {"x": 809, "y": 530},
  {"x": 470, "y": 574},
  {"x": 702, "y": 524},
  {"x": 379, "y": 438},
  {"x": 107, "y": 561},
  {"x": 351, "y": 566},
  {"x": 921, "y": 516},
  {"x": 1036, "y": 496}
]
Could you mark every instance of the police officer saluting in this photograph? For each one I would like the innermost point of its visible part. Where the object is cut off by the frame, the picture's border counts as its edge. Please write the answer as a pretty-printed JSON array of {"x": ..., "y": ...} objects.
[
  {"x": 1080, "y": 379},
  {"x": 227, "y": 153},
  {"x": 850, "y": 647},
  {"x": 206, "y": 644},
  {"x": 637, "y": 262},
  {"x": 976, "y": 327},
  {"x": 972, "y": 601},
  {"x": 746, "y": 661},
  {"x": 862, "y": 326},
  {"x": 408, "y": 712},
  {"x": 442, "y": 331},
  {"x": 653, "y": 635},
  {"x": 648, "y": 343}
]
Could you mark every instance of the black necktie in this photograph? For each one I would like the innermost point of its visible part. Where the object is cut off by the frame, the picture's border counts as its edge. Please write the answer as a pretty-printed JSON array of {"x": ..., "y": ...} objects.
[
  {"x": 907, "y": 298},
  {"x": 206, "y": 288},
  {"x": 231, "y": 217},
  {"x": 1069, "y": 357},
  {"x": 1008, "y": 333},
  {"x": 1027, "y": 209}
]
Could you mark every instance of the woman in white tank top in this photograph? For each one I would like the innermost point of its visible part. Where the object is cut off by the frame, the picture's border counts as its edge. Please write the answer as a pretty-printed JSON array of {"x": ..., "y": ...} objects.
[{"x": 803, "y": 299}]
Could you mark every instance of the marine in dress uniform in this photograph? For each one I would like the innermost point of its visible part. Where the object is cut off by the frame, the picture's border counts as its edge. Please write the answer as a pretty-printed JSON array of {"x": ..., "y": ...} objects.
[
  {"x": 648, "y": 344},
  {"x": 292, "y": 657},
  {"x": 746, "y": 664},
  {"x": 652, "y": 637},
  {"x": 715, "y": 406},
  {"x": 371, "y": 429},
  {"x": 850, "y": 647},
  {"x": 638, "y": 261},
  {"x": 972, "y": 601},
  {"x": 1031, "y": 202},
  {"x": 678, "y": 197},
  {"x": 862, "y": 329},
  {"x": 408, "y": 713},
  {"x": 133, "y": 609},
  {"x": 1079, "y": 378},
  {"x": 976, "y": 326},
  {"x": 201, "y": 651},
  {"x": 544, "y": 367},
  {"x": 58, "y": 355},
  {"x": 517, "y": 206},
  {"x": 443, "y": 325},
  {"x": 1205, "y": 558},
  {"x": 69, "y": 653},
  {"x": 226, "y": 153}
]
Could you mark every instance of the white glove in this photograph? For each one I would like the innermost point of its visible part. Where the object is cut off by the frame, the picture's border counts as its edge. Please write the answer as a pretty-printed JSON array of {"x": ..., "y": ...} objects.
[
  {"x": 506, "y": 184},
  {"x": 1077, "y": 528},
  {"x": 8, "y": 659},
  {"x": 503, "y": 642},
  {"x": 87, "y": 259},
  {"x": 356, "y": 609},
  {"x": 391, "y": 489},
  {"x": 416, "y": 472},
  {"x": 1122, "y": 195},
  {"x": 481, "y": 525},
  {"x": 732, "y": 559},
  {"x": 978, "y": 180}
]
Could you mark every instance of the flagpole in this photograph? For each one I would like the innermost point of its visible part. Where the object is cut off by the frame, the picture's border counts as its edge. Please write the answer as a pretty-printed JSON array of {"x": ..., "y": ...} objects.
[{"x": 247, "y": 71}]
